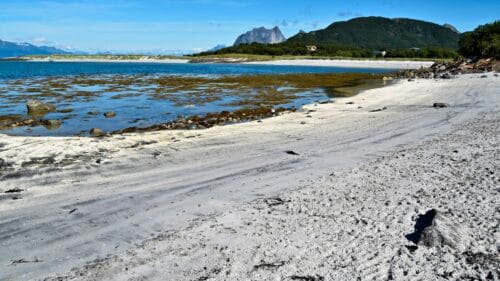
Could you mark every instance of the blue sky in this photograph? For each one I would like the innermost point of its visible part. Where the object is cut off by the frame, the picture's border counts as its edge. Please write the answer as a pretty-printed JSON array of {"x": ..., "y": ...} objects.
[{"x": 169, "y": 25}]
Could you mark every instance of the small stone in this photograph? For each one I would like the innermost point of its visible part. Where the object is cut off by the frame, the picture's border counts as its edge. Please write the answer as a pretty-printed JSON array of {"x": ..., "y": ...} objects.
[
  {"x": 349, "y": 102},
  {"x": 484, "y": 76},
  {"x": 440, "y": 105},
  {"x": 110, "y": 114},
  {"x": 96, "y": 132},
  {"x": 52, "y": 124},
  {"x": 2, "y": 163},
  {"x": 93, "y": 113}
]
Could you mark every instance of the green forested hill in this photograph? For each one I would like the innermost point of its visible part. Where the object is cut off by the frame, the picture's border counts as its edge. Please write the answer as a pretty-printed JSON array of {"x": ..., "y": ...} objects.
[{"x": 377, "y": 33}]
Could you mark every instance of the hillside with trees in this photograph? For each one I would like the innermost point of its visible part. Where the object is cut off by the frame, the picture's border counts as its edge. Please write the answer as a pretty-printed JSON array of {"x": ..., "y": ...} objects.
[
  {"x": 363, "y": 38},
  {"x": 483, "y": 42}
]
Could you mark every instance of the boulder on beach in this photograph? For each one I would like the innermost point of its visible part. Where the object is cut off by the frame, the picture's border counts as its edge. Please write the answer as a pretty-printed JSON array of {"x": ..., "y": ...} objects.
[
  {"x": 96, "y": 132},
  {"x": 36, "y": 107},
  {"x": 435, "y": 229}
]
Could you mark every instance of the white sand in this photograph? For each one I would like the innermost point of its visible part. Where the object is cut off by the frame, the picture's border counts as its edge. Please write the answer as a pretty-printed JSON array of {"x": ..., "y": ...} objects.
[
  {"x": 389, "y": 64},
  {"x": 190, "y": 191}
]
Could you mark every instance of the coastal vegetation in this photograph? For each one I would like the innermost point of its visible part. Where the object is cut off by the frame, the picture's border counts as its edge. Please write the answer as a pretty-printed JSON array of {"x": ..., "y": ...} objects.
[{"x": 483, "y": 42}]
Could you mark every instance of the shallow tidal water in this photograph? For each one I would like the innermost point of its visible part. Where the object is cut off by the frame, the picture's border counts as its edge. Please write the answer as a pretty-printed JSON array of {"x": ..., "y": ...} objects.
[{"x": 144, "y": 94}]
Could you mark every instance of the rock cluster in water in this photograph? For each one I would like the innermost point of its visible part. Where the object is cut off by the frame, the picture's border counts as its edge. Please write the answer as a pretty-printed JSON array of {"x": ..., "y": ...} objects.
[{"x": 212, "y": 119}]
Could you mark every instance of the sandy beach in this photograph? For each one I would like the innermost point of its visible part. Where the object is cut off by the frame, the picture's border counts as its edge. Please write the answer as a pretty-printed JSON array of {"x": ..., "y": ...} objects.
[
  {"x": 327, "y": 193},
  {"x": 390, "y": 64}
]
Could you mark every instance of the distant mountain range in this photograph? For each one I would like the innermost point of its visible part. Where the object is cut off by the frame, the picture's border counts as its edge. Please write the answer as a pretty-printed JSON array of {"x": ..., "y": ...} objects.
[
  {"x": 376, "y": 33},
  {"x": 11, "y": 49},
  {"x": 261, "y": 35}
]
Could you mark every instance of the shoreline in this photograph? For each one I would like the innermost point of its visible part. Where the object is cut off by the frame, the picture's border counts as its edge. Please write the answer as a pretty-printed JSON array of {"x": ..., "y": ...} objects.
[
  {"x": 388, "y": 64},
  {"x": 159, "y": 182}
]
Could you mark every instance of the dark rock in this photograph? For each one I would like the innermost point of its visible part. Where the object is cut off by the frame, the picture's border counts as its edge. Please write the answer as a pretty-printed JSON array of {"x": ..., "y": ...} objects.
[
  {"x": 38, "y": 108},
  {"x": 484, "y": 76},
  {"x": 96, "y": 132},
  {"x": 349, "y": 102},
  {"x": 93, "y": 113},
  {"x": 440, "y": 105},
  {"x": 446, "y": 75},
  {"x": 52, "y": 124},
  {"x": 291, "y": 152},
  {"x": 307, "y": 278},
  {"x": 433, "y": 229},
  {"x": 2, "y": 163},
  {"x": 110, "y": 114},
  {"x": 14, "y": 190},
  {"x": 269, "y": 265}
]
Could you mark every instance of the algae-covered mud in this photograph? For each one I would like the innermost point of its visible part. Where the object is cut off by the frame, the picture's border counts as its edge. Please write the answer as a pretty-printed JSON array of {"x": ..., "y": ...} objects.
[{"x": 138, "y": 102}]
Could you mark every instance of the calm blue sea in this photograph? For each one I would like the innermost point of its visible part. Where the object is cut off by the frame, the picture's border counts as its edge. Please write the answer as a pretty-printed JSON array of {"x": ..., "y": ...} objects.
[
  {"x": 17, "y": 69},
  {"x": 135, "y": 106}
]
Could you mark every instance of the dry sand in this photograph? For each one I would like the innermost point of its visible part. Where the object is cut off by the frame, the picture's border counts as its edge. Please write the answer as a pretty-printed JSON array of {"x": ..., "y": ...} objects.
[
  {"x": 196, "y": 205},
  {"x": 390, "y": 64}
]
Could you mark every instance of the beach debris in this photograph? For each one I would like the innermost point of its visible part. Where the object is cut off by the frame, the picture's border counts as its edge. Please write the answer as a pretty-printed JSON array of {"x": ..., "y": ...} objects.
[
  {"x": 142, "y": 143},
  {"x": 39, "y": 161},
  {"x": 307, "y": 277},
  {"x": 291, "y": 152},
  {"x": 303, "y": 123},
  {"x": 26, "y": 261},
  {"x": 110, "y": 114},
  {"x": 14, "y": 190},
  {"x": 378, "y": 109},
  {"x": 434, "y": 229},
  {"x": 72, "y": 211},
  {"x": 349, "y": 102},
  {"x": 36, "y": 107},
  {"x": 96, "y": 132},
  {"x": 270, "y": 265},
  {"x": 275, "y": 201},
  {"x": 440, "y": 105},
  {"x": 52, "y": 124}
]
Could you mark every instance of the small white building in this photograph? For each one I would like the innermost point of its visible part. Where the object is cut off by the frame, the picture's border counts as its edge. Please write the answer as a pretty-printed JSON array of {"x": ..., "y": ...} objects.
[{"x": 312, "y": 48}]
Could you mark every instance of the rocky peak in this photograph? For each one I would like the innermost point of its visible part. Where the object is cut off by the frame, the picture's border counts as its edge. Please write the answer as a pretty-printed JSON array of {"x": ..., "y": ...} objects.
[
  {"x": 449, "y": 26},
  {"x": 261, "y": 35}
]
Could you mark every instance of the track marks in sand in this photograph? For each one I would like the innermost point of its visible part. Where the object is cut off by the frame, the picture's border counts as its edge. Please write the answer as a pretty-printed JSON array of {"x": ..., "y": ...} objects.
[{"x": 348, "y": 226}]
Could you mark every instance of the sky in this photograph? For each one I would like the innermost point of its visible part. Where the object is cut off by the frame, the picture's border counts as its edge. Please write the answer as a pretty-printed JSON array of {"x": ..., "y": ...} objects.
[{"x": 170, "y": 26}]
